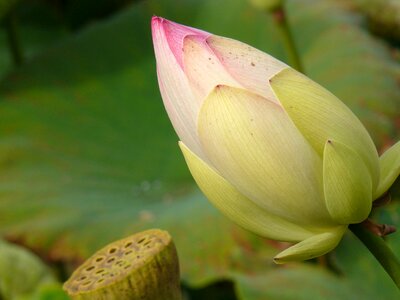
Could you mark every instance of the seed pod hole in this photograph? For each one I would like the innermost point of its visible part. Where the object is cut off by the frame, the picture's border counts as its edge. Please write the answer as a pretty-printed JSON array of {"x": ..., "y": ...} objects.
[
  {"x": 120, "y": 263},
  {"x": 99, "y": 259},
  {"x": 86, "y": 283},
  {"x": 128, "y": 252},
  {"x": 100, "y": 271},
  {"x": 91, "y": 268},
  {"x": 112, "y": 250},
  {"x": 110, "y": 260},
  {"x": 127, "y": 245},
  {"x": 142, "y": 240}
]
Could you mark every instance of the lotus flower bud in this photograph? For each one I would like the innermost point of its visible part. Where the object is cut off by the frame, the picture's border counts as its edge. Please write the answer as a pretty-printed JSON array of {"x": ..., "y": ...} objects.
[{"x": 273, "y": 150}]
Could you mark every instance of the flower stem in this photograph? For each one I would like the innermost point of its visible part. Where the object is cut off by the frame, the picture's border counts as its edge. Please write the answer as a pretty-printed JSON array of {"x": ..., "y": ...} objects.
[
  {"x": 279, "y": 16},
  {"x": 13, "y": 40},
  {"x": 377, "y": 246}
]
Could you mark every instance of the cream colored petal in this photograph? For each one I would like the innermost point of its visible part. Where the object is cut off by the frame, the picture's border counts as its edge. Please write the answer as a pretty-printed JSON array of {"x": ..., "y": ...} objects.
[
  {"x": 390, "y": 169},
  {"x": 320, "y": 116},
  {"x": 181, "y": 104},
  {"x": 251, "y": 67},
  {"x": 254, "y": 145},
  {"x": 237, "y": 207},
  {"x": 203, "y": 68},
  {"x": 312, "y": 247},
  {"x": 347, "y": 184}
]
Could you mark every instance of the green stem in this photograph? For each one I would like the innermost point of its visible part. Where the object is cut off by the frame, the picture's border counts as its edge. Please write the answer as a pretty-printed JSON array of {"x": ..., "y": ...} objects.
[
  {"x": 12, "y": 36},
  {"x": 377, "y": 246},
  {"x": 281, "y": 22}
]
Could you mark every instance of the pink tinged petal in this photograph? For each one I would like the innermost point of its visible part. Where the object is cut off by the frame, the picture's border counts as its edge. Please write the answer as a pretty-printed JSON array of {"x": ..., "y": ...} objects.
[
  {"x": 251, "y": 67},
  {"x": 181, "y": 105},
  {"x": 203, "y": 68},
  {"x": 175, "y": 34},
  {"x": 254, "y": 145}
]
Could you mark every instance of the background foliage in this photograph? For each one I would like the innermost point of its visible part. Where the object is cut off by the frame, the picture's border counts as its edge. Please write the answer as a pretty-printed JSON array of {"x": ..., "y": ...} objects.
[{"x": 87, "y": 154}]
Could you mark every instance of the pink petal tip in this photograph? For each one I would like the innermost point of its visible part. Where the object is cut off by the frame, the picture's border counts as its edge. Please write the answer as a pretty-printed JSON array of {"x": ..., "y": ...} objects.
[{"x": 175, "y": 34}]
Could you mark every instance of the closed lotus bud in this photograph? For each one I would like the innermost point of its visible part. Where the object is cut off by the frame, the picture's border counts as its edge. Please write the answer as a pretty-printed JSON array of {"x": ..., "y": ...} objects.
[
  {"x": 273, "y": 150},
  {"x": 142, "y": 266}
]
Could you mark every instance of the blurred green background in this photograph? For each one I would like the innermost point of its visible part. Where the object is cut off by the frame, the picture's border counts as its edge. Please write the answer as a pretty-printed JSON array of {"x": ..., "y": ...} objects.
[{"x": 88, "y": 155}]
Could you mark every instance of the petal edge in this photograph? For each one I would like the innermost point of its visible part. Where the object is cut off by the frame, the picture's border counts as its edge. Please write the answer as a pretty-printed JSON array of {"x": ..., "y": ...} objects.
[
  {"x": 347, "y": 184},
  {"x": 390, "y": 169},
  {"x": 238, "y": 207},
  {"x": 312, "y": 247}
]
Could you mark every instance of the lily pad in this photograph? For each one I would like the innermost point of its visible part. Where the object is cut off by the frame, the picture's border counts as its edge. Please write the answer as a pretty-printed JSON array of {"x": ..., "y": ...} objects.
[
  {"x": 297, "y": 282},
  {"x": 22, "y": 274},
  {"x": 88, "y": 155}
]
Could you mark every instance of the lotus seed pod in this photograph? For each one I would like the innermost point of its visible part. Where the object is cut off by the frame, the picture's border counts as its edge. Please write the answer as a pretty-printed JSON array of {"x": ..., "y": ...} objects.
[{"x": 143, "y": 266}]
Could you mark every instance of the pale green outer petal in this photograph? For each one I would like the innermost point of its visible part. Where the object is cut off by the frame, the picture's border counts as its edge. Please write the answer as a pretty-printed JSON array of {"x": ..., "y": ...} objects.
[
  {"x": 390, "y": 169},
  {"x": 314, "y": 246},
  {"x": 320, "y": 116},
  {"x": 347, "y": 184},
  {"x": 239, "y": 208},
  {"x": 202, "y": 68},
  {"x": 251, "y": 67},
  {"x": 254, "y": 145}
]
